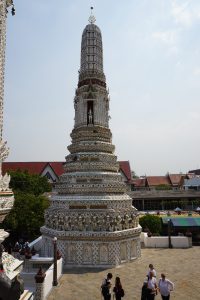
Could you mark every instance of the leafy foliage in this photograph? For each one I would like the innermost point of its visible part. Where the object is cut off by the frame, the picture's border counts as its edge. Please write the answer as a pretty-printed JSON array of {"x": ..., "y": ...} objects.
[
  {"x": 153, "y": 223},
  {"x": 163, "y": 187},
  {"x": 29, "y": 183},
  {"x": 27, "y": 214},
  {"x": 134, "y": 175}
]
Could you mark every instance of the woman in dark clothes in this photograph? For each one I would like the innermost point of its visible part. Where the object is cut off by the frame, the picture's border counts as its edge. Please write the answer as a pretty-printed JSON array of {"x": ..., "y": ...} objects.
[
  {"x": 144, "y": 292},
  {"x": 118, "y": 290}
]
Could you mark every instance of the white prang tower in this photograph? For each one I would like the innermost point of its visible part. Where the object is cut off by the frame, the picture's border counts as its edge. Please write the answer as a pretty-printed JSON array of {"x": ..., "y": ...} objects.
[
  {"x": 6, "y": 195},
  {"x": 90, "y": 213}
]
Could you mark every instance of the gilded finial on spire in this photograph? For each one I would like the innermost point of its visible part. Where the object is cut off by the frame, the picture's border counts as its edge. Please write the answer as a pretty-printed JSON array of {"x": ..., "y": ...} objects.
[{"x": 92, "y": 18}]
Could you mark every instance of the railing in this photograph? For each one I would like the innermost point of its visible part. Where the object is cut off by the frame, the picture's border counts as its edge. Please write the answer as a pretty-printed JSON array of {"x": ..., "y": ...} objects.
[{"x": 164, "y": 194}]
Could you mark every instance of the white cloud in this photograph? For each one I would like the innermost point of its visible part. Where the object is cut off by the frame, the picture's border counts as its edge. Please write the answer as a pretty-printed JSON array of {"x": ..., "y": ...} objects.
[
  {"x": 185, "y": 12},
  {"x": 196, "y": 71},
  {"x": 194, "y": 115},
  {"x": 168, "y": 37}
]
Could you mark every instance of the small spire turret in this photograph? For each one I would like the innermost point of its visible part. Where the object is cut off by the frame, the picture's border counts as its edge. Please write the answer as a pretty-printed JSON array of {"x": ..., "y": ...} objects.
[{"x": 91, "y": 53}]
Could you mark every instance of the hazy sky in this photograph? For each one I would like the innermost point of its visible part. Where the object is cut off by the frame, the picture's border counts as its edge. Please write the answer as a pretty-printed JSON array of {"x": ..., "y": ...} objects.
[{"x": 152, "y": 66}]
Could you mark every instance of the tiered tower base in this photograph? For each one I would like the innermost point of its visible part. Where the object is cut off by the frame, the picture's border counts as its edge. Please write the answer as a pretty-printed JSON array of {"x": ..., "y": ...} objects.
[{"x": 92, "y": 233}]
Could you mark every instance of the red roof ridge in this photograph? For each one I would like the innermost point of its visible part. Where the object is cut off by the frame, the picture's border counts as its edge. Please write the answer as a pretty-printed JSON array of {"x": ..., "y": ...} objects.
[{"x": 37, "y": 167}]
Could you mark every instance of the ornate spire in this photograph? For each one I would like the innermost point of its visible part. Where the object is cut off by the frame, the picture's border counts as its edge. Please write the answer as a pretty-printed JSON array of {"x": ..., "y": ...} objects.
[
  {"x": 92, "y": 18},
  {"x": 91, "y": 53},
  {"x": 90, "y": 212}
]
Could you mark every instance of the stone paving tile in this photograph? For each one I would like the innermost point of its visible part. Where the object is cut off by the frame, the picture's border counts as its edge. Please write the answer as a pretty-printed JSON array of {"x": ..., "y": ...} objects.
[{"x": 182, "y": 266}]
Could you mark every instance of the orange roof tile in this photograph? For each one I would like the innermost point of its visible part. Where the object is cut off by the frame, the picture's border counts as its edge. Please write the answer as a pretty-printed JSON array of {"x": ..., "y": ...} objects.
[
  {"x": 57, "y": 166},
  {"x": 31, "y": 167},
  {"x": 157, "y": 180},
  {"x": 125, "y": 168},
  {"x": 139, "y": 182},
  {"x": 176, "y": 178}
]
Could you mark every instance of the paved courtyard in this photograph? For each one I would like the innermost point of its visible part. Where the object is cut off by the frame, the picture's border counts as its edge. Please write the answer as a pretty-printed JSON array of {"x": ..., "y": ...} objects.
[{"x": 182, "y": 266}]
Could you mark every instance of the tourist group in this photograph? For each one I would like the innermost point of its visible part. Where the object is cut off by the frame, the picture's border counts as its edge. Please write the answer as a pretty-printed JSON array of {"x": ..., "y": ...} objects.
[{"x": 151, "y": 287}]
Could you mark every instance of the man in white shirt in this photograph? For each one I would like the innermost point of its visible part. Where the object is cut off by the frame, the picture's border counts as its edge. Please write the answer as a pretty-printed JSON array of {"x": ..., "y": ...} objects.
[
  {"x": 151, "y": 286},
  {"x": 106, "y": 287},
  {"x": 165, "y": 286},
  {"x": 151, "y": 269}
]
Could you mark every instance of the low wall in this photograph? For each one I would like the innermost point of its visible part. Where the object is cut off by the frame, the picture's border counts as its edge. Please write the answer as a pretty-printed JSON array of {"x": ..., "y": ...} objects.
[
  {"x": 163, "y": 241},
  {"x": 142, "y": 234},
  {"x": 31, "y": 265},
  {"x": 49, "y": 277}
]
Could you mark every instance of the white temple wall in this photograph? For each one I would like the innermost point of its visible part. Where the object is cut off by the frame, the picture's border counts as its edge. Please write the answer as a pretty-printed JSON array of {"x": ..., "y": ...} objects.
[
  {"x": 90, "y": 253},
  {"x": 49, "y": 277},
  {"x": 163, "y": 241}
]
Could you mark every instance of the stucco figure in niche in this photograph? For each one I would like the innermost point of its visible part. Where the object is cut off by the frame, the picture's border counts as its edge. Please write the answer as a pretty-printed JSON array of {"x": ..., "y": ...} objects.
[
  {"x": 72, "y": 253},
  {"x": 90, "y": 117},
  {"x": 103, "y": 255},
  {"x": 87, "y": 253}
]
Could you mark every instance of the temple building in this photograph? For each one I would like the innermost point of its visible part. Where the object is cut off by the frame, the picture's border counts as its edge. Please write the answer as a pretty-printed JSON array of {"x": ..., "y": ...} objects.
[
  {"x": 53, "y": 169},
  {"x": 90, "y": 212},
  {"x": 6, "y": 194}
]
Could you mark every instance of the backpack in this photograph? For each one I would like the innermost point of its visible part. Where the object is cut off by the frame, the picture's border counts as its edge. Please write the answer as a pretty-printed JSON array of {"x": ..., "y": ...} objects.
[
  {"x": 122, "y": 293},
  {"x": 119, "y": 292}
]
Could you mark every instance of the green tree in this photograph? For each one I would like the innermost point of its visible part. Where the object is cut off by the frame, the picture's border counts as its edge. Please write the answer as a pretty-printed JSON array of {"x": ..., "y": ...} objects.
[
  {"x": 22, "y": 181},
  {"x": 153, "y": 223},
  {"x": 163, "y": 187},
  {"x": 134, "y": 175},
  {"x": 27, "y": 214}
]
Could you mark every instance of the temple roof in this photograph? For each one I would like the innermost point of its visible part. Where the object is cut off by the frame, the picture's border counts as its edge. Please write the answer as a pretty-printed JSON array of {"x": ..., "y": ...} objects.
[
  {"x": 176, "y": 178},
  {"x": 57, "y": 166},
  {"x": 33, "y": 167},
  {"x": 125, "y": 168},
  {"x": 157, "y": 180}
]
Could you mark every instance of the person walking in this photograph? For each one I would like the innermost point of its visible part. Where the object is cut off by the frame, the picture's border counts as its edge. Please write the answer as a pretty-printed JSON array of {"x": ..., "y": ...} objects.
[
  {"x": 144, "y": 291},
  {"x": 165, "y": 287},
  {"x": 106, "y": 287},
  {"x": 151, "y": 287},
  {"x": 118, "y": 290},
  {"x": 151, "y": 269}
]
